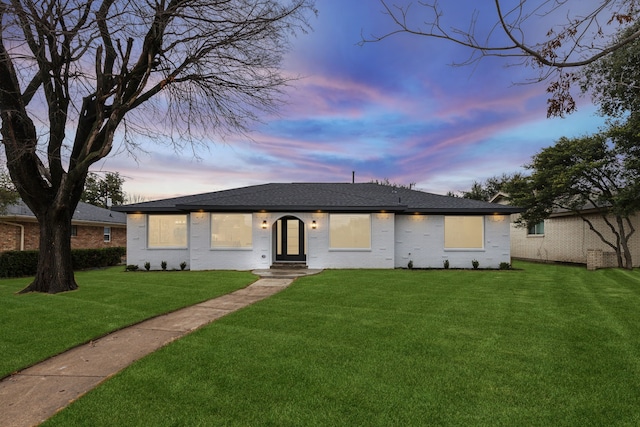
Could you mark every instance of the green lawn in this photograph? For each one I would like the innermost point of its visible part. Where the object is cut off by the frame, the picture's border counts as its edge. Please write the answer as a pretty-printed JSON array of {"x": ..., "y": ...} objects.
[
  {"x": 541, "y": 345},
  {"x": 37, "y": 326}
]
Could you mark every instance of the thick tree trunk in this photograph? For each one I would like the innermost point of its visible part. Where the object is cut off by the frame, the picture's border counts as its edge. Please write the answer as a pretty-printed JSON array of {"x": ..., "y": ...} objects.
[{"x": 55, "y": 269}]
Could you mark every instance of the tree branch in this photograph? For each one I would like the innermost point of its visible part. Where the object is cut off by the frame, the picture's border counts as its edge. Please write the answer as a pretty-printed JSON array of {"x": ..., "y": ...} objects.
[{"x": 580, "y": 42}]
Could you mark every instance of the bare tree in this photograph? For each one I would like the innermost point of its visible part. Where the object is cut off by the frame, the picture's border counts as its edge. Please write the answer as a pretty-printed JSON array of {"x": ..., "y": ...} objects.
[
  {"x": 522, "y": 31},
  {"x": 70, "y": 71}
]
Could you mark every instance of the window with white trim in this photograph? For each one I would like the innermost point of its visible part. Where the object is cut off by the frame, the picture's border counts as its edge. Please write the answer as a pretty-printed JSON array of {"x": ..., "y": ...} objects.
[
  {"x": 107, "y": 234},
  {"x": 232, "y": 230},
  {"x": 464, "y": 232},
  {"x": 350, "y": 231},
  {"x": 536, "y": 229},
  {"x": 167, "y": 231}
]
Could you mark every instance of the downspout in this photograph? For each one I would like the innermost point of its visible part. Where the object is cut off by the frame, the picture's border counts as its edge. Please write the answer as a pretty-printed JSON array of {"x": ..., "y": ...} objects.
[{"x": 21, "y": 232}]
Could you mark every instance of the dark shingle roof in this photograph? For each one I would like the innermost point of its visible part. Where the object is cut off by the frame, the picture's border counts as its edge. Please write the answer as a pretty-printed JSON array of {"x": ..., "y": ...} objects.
[
  {"x": 83, "y": 213},
  {"x": 330, "y": 197}
]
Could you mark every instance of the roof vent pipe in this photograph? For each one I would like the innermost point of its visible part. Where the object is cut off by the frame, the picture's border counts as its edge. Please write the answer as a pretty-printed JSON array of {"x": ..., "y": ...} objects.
[{"x": 353, "y": 177}]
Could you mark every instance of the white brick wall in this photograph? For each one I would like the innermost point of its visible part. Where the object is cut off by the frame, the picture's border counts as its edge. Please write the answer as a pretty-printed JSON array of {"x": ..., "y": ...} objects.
[
  {"x": 205, "y": 258},
  {"x": 138, "y": 254},
  {"x": 395, "y": 239},
  {"x": 381, "y": 254},
  {"x": 420, "y": 238}
]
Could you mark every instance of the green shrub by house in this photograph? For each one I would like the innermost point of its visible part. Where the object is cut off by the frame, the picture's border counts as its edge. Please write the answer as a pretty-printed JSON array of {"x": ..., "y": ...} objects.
[
  {"x": 18, "y": 263},
  {"x": 24, "y": 263}
]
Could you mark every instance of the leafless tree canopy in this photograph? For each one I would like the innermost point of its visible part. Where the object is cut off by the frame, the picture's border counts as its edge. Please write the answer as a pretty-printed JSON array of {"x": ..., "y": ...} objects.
[
  {"x": 72, "y": 71},
  {"x": 554, "y": 36},
  {"x": 196, "y": 64}
]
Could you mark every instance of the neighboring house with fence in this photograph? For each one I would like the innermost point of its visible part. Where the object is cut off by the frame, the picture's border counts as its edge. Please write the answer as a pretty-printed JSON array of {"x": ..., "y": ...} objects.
[{"x": 92, "y": 228}]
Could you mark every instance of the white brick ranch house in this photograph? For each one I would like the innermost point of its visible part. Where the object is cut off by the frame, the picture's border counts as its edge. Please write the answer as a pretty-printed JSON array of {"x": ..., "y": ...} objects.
[{"x": 320, "y": 225}]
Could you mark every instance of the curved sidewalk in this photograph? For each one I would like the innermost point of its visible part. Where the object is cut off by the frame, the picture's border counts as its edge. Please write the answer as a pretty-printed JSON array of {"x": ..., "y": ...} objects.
[{"x": 31, "y": 396}]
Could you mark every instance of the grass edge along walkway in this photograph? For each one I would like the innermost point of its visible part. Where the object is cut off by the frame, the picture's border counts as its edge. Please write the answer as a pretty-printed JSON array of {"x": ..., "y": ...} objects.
[
  {"x": 541, "y": 345},
  {"x": 37, "y": 326},
  {"x": 31, "y": 396}
]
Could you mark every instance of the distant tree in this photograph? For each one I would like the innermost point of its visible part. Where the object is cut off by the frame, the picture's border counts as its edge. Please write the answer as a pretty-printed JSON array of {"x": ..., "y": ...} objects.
[
  {"x": 595, "y": 173},
  {"x": 521, "y": 32},
  {"x": 8, "y": 193},
  {"x": 134, "y": 198},
  {"x": 491, "y": 187},
  {"x": 71, "y": 71},
  {"x": 388, "y": 183},
  {"x": 477, "y": 192},
  {"x": 103, "y": 191},
  {"x": 614, "y": 81}
]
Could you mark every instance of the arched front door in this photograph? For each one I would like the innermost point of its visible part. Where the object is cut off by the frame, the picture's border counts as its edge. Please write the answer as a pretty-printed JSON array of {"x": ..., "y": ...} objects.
[{"x": 289, "y": 237}]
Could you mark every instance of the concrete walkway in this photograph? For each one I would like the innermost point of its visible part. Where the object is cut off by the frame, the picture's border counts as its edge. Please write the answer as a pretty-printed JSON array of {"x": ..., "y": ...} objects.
[{"x": 31, "y": 396}]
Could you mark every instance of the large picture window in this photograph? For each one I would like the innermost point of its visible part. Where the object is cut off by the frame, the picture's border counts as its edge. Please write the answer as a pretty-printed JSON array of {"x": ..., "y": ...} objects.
[
  {"x": 167, "y": 231},
  {"x": 231, "y": 231},
  {"x": 464, "y": 232},
  {"x": 350, "y": 231}
]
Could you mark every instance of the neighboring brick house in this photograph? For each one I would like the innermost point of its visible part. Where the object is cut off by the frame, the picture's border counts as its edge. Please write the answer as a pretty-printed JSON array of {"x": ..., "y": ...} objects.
[
  {"x": 565, "y": 237},
  {"x": 93, "y": 227}
]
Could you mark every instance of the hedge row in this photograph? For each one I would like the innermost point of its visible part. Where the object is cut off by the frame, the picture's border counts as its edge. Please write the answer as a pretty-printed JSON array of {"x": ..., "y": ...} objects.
[
  {"x": 24, "y": 263},
  {"x": 18, "y": 263}
]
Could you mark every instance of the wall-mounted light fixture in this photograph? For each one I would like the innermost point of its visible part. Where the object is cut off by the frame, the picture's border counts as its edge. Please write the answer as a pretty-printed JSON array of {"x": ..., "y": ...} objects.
[
  {"x": 497, "y": 217},
  {"x": 264, "y": 224},
  {"x": 314, "y": 225}
]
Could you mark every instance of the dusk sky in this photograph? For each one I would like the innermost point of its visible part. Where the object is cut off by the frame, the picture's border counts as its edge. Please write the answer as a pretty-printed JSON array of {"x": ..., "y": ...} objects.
[{"x": 394, "y": 109}]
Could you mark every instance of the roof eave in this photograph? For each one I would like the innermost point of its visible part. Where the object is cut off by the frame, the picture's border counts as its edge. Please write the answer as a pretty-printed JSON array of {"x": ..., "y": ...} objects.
[
  {"x": 290, "y": 208},
  {"x": 99, "y": 223},
  {"x": 401, "y": 209},
  {"x": 25, "y": 218},
  {"x": 587, "y": 211},
  {"x": 138, "y": 209},
  {"x": 465, "y": 211}
]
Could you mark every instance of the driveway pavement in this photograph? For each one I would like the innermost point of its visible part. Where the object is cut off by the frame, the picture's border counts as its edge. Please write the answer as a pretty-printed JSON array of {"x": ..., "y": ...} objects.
[{"x": 31, "y": 396}]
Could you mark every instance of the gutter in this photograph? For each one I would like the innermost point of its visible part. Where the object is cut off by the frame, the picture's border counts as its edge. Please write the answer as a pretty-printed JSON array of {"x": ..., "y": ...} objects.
[{"x": 21, "y": 232}]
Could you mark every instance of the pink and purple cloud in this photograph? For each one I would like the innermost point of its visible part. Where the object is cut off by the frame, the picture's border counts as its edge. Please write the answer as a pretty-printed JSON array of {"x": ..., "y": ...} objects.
[{"x": 393, "y": 110}]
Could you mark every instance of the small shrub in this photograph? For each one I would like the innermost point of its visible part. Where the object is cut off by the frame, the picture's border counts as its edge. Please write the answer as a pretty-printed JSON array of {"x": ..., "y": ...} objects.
[
  {"x": 446, "y": 263},
  {"x": 505, "y": 266},
  {"x": 475, "y": 264},
  {"x": 163, "y": 265},
  {"x": 183, "y": 265},
  {"x": 147, "y": 266},
  {"x": 131, "y": 267},
  {"x": 410, "y": 265}
]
